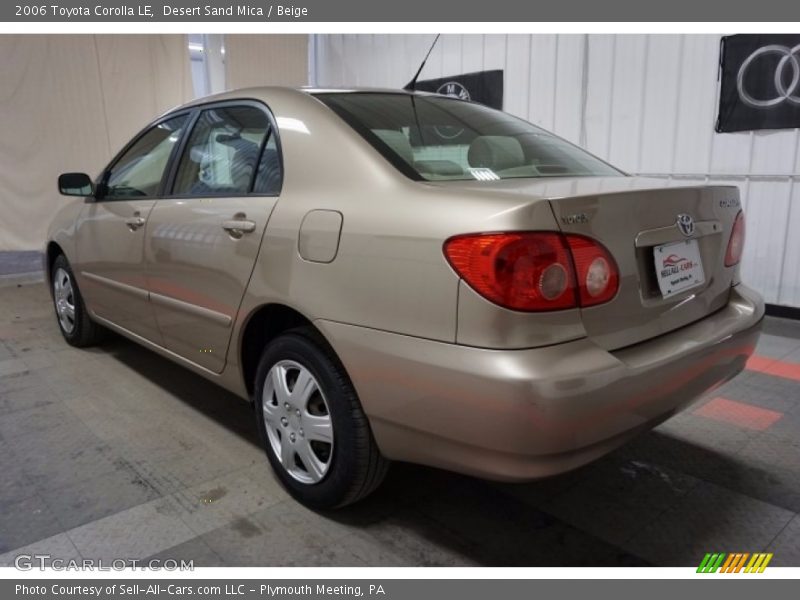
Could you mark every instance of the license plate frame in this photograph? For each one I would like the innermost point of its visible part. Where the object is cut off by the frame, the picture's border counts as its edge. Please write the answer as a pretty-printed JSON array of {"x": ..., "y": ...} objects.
[{"x": 678, "y": 267}]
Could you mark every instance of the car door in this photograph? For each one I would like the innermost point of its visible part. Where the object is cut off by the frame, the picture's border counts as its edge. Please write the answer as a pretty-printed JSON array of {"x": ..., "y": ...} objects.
[
  {"x": 111, "y": 230},
  {"x": 203, "y": 240}
]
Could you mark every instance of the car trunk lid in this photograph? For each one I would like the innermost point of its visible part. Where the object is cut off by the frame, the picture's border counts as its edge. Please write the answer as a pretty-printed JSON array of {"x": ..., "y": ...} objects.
[
  {"x": 640, "y": 227},
  {"x": 632, "y": 217}
]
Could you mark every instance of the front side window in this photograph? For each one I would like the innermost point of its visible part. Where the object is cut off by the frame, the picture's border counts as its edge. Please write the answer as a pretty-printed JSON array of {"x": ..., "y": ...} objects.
[
  {"x": 222, "y": 155},
  {"x": 138, "y": 172},
  {"x": 440, "y": 138}
]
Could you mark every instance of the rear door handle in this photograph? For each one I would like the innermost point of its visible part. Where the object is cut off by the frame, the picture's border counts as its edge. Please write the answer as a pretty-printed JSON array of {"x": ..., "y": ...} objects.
[
  {"x": 134, "y": 222},
  {"x": 238, "y": 227}
]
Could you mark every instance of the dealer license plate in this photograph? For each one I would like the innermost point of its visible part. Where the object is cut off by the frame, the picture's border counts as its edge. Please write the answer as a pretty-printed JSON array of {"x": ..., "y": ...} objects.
[{"x": 678, "y": 267}]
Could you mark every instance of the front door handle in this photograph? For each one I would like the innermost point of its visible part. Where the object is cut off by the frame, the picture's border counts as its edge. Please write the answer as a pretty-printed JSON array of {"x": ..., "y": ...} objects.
[
  {"x": 238, "y": 227},
  {"x": 135, "y": 221}
]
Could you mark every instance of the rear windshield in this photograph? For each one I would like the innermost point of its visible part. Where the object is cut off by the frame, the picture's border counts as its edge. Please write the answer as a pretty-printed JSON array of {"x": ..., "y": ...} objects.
[{"x": 438, "y": 138}]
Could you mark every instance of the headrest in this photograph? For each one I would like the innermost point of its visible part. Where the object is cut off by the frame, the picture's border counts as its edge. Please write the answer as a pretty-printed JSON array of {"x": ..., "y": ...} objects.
[
  {"x": 237, "y": 142},
  {"x": 495, "y": 152},
  {"x": 397, "y": 141}
]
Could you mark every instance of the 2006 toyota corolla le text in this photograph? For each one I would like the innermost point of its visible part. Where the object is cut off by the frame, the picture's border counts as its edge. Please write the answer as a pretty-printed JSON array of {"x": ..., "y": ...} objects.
[{"x": 393, "y": 275}]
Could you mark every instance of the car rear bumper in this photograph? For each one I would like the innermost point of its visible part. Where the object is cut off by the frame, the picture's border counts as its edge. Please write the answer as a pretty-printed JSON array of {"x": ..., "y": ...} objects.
[{"x": 525, "y": 414}]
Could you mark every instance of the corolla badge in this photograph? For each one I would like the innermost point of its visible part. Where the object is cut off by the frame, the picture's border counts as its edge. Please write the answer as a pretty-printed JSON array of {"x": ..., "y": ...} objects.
[
  {"x": 575, "y": 219},
  {"x": 685, "y": 224}
]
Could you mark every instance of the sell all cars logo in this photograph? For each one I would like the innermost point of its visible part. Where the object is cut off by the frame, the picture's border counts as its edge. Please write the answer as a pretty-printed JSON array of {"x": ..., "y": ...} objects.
[{"x": 674, "y": 264}]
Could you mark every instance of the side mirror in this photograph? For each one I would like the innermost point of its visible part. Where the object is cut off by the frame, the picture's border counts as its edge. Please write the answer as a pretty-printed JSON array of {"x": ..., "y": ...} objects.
[{"x": 75, "y": 184}]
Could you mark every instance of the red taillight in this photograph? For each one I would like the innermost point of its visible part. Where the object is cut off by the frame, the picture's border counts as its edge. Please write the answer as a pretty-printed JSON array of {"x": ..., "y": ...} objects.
[
  {"x": 534, "y": 271},
  {"x": 521, "y": 271},
  {"x": 596, "y": 271},
  {"x": 736, "y": 244}
]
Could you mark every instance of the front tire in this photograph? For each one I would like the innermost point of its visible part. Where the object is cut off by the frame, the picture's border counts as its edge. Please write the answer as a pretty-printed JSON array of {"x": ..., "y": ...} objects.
[
  {"x": 315, "y": 433},
  {"x": 74, "y": 321}
]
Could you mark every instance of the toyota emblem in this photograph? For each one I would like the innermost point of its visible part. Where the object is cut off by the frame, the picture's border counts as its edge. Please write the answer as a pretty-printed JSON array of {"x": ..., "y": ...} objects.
[{"x": 685, "y": 224}]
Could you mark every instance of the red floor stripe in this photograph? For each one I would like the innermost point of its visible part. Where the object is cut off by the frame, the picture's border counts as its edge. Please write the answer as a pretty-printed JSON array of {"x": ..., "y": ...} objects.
[
  {"x": 774, "y": 367},
  {"x": 739, "y": 413}
]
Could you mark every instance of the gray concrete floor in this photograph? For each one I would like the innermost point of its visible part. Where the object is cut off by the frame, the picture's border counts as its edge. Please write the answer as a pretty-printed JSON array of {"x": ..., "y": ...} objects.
[{"x": 114, "y": 452}]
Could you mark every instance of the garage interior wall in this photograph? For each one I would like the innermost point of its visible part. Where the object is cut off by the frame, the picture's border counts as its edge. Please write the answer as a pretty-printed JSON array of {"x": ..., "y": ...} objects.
[
  {"x": 68, "y": 103},
  {"x": 646, "y": 103},
  {"x": 252, "y": 60}
]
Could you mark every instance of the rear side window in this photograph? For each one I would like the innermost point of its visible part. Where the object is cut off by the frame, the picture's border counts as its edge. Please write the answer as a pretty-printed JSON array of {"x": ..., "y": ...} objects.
[
  {"x": 222, "y": 155},
  {"x": 138, "y": 172}
]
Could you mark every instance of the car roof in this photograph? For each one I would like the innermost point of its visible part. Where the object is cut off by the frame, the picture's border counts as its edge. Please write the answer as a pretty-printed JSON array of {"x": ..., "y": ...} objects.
[
  {"x": 263, "y": 92},
  {"x": 365, "y": 90}
]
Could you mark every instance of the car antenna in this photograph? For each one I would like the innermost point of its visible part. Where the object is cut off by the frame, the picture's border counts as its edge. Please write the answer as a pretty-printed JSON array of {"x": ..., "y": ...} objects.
[{"x": 411, "y": 85}]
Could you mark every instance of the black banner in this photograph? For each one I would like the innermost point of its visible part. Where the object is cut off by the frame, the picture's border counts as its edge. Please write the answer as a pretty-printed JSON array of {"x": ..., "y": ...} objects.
[
  {"x": 485, "y": 87},
  {"x": 760, "y": 82}
]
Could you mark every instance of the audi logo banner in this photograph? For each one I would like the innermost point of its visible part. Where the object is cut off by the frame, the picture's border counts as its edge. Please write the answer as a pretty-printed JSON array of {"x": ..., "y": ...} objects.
[{"x": 760, "y": 82}]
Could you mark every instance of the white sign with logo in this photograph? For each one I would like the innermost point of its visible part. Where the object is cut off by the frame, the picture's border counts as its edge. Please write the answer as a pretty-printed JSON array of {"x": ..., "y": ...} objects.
[{"x": 678, "y": 267}]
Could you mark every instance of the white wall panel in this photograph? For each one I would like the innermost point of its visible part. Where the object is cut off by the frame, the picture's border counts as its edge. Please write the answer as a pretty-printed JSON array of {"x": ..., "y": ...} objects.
[
  {"x": 569, "y": 85},
  {"x": 544, "y": 73},
  {"x": 645, "y": 103},
  {"x": 790, "y": 272},
  {"x": 731, "y": 154},
  {"x": 253, "y": 60},
  {"x": 494, "y": 51},
  {"x": 796, "y": 168},
  {"x": 627, "y": 98},
  {"x": 518, "y": 71},
  {"x": 600, "y": 87},
  {"x": 68, "y": 103},
  {"x": 696, "y": 114},
  {"x": 765, "y": 236},
  {"x": 452, "y": 54},
  {"x": 330, "y": 64},
  {"x": 472, "y": 52},
  {"x": 399, "y": 72},
  {"x": 660, "y": 105},
  {"x": 354, "y": 58},
  {"x": 383, "y": 75},
  {"x": 773, "y": 152}
]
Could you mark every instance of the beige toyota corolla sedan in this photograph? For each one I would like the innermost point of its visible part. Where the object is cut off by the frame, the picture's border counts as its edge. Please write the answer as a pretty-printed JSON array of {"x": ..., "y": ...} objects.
[{"x": 389, "y": 275}]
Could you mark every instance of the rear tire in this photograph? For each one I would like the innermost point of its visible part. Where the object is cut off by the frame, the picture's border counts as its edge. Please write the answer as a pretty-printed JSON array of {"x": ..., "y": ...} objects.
[
  {"x": 73, "y": 320},
  {"x": 314, "y": 431}
]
